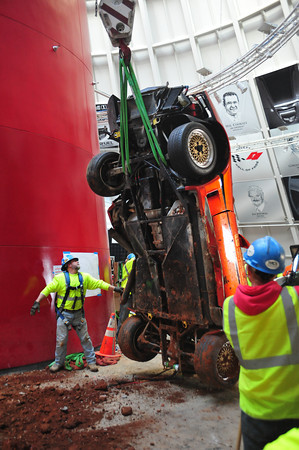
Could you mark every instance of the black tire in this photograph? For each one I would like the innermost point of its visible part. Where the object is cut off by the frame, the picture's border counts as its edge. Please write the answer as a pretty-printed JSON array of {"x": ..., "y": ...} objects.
[
  {"x": 98, "y": 178},
  {"x": 127, "y": 340},
  {"x": 215, "y": 361},
  {"x": 192, "y": 152}
]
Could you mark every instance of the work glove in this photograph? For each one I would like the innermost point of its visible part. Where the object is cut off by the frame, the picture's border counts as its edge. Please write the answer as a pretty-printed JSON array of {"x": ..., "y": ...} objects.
[
  {"x": 119, "y": 290},
  {"x": 34, "y": 307}
]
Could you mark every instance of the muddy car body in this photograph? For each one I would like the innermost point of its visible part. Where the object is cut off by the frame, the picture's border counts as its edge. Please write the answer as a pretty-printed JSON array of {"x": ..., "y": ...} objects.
[{"x": 174, "y": 210}]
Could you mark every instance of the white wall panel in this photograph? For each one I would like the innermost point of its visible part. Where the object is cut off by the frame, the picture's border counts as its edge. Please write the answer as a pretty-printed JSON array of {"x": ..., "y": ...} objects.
[
  {"x": 209, "y": 50},
  {"x": 229, "y": 49},
  {"x": 102, "y": 74},
  {"x": 220, "y": 12},
  {"x": 97, "y": 33},
  {"x": 138, "y": 36},
  {"x": 201, "y": 14},
  {"x": 167, "y": 64},
  {"x": 158, "y": 20},
  {"x": 175, "y": 18},
  {"x": 246, "y": 8},
  {"x": 186, "y": 64},
  {"x": 274, "y": 15},
  {"x": 143, "y": 69}
]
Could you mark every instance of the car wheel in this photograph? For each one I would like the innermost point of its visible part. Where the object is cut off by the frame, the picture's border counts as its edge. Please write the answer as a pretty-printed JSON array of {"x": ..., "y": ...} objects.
[
  {"x": 128, "y": 335},
  {"x": 99, "y": 178},
  {"x": 192, "y": 152},
  {"x": 215, "y": 361}
]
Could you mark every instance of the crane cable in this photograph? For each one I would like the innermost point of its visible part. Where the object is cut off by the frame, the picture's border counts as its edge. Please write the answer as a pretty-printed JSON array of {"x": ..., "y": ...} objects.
[{"x": 127, "y": 74}]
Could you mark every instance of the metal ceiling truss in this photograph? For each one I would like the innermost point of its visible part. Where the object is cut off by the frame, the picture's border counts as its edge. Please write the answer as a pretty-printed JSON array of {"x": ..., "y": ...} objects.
[
  {"x": 273, "y": 142},
  {"x": 256, "y": 56}
]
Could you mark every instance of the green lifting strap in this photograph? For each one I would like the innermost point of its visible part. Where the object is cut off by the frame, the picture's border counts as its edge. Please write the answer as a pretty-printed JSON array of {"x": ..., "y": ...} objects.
[
  {"x": 127, "y": 75},
  {"x": 124, "y": 135},
  {"x": 75, "y": 358}
]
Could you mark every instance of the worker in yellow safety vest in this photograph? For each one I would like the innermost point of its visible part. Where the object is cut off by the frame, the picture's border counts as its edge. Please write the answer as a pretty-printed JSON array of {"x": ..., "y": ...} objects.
[
  {"x": 70, "y": 287},
  {"x": 126, "y": 303},
  {"x": 126, "y": 269},
  {"x": 261, "y": 322}
]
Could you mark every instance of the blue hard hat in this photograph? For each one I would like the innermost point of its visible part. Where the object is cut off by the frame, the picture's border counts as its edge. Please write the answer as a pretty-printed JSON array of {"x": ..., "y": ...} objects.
[
  {"x": 267, "y": 255},
  {"x": 130, "y": 256},
  {"x": 66, "y": 259}
]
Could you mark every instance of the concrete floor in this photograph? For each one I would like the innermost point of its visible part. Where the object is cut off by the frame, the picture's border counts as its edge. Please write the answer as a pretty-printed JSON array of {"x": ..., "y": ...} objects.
[
  {"x": 169, "y": 411},
  {"x": 184, "y": 415}
]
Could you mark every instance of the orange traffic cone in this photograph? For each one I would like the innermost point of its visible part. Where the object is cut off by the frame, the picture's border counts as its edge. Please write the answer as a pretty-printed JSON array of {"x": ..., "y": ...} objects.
[{"x": 108, "y": 344}]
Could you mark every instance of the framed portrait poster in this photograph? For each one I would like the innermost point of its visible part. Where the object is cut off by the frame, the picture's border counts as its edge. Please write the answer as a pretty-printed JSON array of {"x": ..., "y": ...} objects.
[
  {"x": 236, "y": 109},
  {"x": 258, "y": 201}
]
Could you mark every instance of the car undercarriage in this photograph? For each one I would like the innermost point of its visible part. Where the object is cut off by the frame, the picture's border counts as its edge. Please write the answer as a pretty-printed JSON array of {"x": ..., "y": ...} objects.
[{"x": 174, "y": 210}]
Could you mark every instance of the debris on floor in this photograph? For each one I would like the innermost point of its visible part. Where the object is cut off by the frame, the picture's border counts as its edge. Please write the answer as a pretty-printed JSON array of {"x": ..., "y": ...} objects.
[{"x": 114, "y": 410}]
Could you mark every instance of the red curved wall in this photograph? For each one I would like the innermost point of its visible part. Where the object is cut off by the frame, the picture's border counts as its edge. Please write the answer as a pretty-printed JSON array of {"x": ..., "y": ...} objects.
[{"x": 48, "y": 135}]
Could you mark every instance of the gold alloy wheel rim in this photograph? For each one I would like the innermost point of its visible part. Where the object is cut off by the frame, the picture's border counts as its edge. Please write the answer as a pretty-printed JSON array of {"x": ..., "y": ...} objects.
[
  {"x": 200, "y": 148},
  {"x": 227, "y": 362}
]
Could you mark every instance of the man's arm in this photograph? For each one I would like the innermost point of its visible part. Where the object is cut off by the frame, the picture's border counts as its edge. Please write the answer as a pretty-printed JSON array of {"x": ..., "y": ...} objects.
[
  {"x": 51, "y": 287},
  {"x": 93, "y": 283}
]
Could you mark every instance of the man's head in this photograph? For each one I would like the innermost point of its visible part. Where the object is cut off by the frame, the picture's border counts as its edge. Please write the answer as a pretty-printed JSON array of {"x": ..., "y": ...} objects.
[
  {"x": 256, "y": 195},
  {"x": 231, "y": 103},
  {"x": 69, "y": 261},
  {"x": 130, "y": 256},
  {"x": 266, "y": 258}
]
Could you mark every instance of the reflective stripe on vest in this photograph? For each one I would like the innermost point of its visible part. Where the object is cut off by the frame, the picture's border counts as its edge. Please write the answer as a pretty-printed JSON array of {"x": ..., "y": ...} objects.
[
  {"x": 270, "y": 361},
  {"x": 71, "y": 299}
]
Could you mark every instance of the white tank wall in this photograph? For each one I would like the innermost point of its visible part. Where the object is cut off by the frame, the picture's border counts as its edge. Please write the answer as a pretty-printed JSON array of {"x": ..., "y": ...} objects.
[{"x": 173, "y": 38}]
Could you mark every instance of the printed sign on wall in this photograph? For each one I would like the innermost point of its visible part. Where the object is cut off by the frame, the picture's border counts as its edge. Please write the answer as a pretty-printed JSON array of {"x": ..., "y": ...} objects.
[
  {"x": 103, "y": 127},
  {"x": 288, "y": 158},
  {"x": 236, "y": 109},
  {"x": 258, "y": 201},
  {"x": 251, "y": 165}
]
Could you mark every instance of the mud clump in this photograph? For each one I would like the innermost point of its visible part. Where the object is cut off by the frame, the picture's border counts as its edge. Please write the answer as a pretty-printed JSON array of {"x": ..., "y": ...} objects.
[{"x": 126, "y": 410}]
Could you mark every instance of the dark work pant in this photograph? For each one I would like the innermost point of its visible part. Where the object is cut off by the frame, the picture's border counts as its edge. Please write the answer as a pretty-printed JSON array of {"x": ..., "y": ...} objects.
[{"x": 256, "y": 433}]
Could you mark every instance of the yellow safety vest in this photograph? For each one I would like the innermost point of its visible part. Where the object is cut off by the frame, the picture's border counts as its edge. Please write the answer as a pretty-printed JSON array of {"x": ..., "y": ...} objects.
[
  {"x": 58, "y": 285},
  {"x": 267, "y": 346},
  {"x": 126, "y": 269}
]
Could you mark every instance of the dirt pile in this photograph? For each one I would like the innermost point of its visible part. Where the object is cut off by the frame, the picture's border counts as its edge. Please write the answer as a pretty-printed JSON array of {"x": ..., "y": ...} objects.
[
  {"x": 126, "y": 406},
  {"x": 34, "y": 416}
]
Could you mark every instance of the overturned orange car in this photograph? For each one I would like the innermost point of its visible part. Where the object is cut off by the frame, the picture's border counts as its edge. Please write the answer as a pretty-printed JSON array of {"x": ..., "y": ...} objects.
[{"x": 174, "y": 210}]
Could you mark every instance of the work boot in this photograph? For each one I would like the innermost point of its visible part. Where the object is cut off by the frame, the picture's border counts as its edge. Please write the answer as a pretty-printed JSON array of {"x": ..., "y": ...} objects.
[
  {"x": 55, "y": 367},
  {"x": 92, "y": 367}
]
